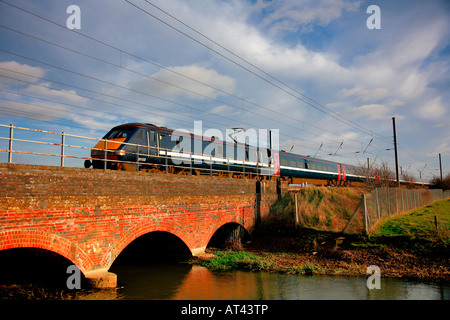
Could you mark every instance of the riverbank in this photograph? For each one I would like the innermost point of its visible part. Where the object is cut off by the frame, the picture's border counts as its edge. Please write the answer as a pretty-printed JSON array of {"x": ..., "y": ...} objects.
[
  {"x": 414, "y": 245},
  {"x": 317, "y": 253}
]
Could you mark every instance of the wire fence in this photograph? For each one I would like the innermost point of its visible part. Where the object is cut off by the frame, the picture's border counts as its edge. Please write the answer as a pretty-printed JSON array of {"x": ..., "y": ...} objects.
[{"x": 381, "y": 203}]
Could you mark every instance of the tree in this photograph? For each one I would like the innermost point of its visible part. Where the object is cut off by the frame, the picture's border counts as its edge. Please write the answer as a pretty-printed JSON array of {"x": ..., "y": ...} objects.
[
  {"x": 377, "y": 176},
  {"x": 436, "y": 182}
]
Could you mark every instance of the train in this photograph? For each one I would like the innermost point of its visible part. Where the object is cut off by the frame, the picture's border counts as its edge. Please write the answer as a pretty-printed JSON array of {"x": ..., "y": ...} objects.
[{"x": 140, "y": 146}]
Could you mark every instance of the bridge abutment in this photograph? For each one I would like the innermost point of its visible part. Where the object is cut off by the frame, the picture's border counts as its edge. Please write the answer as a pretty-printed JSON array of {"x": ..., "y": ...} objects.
[{"x": 101, "y": 279}]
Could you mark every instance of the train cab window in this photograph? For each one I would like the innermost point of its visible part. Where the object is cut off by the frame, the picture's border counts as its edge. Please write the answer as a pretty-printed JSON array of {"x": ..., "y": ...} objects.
[{"x": 115, "y": 134}]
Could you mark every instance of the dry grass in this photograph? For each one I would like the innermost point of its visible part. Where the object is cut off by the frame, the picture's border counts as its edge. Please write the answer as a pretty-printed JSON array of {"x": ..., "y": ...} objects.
[{"x": 320, "y": 208}]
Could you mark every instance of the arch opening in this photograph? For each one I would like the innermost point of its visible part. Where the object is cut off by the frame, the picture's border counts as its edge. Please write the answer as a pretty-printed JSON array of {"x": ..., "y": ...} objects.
[
  {"x": 154, "y": 247},
  {"x": 32, "y": 271},
  {"x": 230, "y": 235}
]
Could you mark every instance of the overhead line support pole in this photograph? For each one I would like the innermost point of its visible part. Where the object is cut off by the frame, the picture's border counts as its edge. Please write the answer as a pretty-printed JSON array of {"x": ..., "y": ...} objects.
[{"x": 396, "y": 153}]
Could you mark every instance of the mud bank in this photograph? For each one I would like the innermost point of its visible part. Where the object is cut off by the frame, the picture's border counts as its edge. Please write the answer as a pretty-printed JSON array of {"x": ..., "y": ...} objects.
[{"x": 314, "y": 252}]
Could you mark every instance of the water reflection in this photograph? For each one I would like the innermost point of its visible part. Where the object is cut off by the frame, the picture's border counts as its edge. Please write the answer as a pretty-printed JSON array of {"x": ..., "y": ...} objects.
[{"x": 181, "y": 281}]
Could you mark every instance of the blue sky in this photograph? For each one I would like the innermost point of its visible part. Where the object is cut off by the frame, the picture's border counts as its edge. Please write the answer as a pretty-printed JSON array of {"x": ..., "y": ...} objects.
[{"x": 345, "y": 81}]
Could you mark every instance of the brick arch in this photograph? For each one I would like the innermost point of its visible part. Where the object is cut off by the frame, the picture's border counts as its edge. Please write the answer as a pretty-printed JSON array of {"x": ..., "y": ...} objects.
[
  {"x": 221, "y": 223},
  {"x": 139, "y": 230},
  {"x": 47, "y": 241}
]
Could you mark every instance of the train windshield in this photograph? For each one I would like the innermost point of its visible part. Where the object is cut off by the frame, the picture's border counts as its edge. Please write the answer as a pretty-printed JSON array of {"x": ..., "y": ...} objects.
[{"x": 122, "y": 133}]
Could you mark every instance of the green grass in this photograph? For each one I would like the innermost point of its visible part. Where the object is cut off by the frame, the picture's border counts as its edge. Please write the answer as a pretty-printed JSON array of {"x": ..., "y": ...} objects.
[
  {"x": 233, "y": 260},
  {"x": 239, "y": 260},
  {"x": 430, "y": 223}
]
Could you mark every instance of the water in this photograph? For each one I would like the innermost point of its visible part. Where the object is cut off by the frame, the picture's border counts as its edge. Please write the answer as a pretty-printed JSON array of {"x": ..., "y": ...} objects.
[{"x": 181, "y": 281}]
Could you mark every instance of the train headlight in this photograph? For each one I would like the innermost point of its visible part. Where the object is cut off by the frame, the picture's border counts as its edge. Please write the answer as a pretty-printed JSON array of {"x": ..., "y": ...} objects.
[{"x": 120, "y": 152}]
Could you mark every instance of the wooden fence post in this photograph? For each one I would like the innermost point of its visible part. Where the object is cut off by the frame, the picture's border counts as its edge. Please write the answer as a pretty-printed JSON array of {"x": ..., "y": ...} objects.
[
  {"x": 296, "y": 210},
  {"x": 353, "y": 215},
  {"x": 365, "y": 216}
]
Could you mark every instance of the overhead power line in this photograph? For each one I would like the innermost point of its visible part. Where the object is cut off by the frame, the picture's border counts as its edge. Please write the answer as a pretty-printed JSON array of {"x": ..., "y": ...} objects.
[
  {"x": 121, "y": 51},
  {"x": 313, "y": 104},
  {"x": 192, "y": 79}
]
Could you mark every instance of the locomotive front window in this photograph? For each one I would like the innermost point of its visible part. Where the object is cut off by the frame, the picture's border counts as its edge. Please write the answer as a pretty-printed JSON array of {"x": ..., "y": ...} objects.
[{"x": 114, "y": 134}]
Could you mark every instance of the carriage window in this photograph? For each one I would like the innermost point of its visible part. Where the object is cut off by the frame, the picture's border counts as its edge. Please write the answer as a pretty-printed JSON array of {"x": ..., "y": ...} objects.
[
  {"x": 293, "y": 163},
  {"x": 300, "y": 164},
  {"x": 284, "y": 162}
]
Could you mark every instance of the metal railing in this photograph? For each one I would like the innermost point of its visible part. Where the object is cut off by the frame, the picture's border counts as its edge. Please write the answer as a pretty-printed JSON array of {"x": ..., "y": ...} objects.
[{"x": 165, "y": 156}]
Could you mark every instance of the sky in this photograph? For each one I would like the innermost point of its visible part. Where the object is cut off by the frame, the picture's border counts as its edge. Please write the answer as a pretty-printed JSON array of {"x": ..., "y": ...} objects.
[{"x": 313, "y": 69}]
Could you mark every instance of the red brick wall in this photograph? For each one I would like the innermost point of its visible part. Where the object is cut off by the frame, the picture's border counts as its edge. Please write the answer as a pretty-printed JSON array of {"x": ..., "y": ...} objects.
[{"x": 90, "y": 216}]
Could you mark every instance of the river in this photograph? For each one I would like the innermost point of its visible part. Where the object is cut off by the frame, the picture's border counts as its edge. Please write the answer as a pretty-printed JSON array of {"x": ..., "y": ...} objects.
[{"x": 173, "y": 281}]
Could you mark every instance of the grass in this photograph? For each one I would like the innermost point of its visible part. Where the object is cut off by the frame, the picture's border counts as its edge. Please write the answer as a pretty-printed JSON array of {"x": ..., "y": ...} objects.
[
  {"x": 428, "y": 223},
  {"x": 235, "y": 260},
  {"x": 240, "y": 260},
  {"x": 319, "y": 207}
]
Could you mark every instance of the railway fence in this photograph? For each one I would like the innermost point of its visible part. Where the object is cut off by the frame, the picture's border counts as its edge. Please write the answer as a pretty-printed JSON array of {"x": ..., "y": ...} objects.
[
  {"x": 381, "y": 203},
  {"x": 34, "y": 146}
]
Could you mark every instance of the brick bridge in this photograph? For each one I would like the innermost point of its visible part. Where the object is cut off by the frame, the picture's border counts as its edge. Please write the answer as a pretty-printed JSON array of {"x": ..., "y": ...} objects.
[{"x": 90, "y": 216}]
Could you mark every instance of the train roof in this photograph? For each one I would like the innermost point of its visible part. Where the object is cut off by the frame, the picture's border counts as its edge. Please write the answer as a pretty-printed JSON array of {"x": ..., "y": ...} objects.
[
  {"x": 294, "y": 155},
  {"x": 144, "y": 125}
]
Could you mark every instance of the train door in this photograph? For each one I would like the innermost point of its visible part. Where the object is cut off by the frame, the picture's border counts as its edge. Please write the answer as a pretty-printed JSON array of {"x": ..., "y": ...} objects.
[
  {"x": 344, "y": 173},
  {"x": 276, "y": 160},
  {"x": 152, "y": 138},
  {"x": 339, "y": 172},
  {"x": 139, "y": 146}
]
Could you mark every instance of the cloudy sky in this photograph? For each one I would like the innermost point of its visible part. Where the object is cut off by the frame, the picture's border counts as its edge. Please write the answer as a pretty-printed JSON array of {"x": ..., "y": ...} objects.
[{"x": 310, "y": 68}]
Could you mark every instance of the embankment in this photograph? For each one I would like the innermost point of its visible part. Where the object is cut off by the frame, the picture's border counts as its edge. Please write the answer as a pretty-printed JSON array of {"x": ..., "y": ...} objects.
[{"x": 413, "y": 245}]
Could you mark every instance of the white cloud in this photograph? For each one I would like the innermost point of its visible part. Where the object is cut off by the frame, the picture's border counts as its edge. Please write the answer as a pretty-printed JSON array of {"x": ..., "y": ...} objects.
[
  {"x": 432, "y": 110},
  {"x": 171, "y": 84},
  {"x": 223, "y": 110},
  {"x": 363, "y": 94},
  {"x": 14, "y": 72},
  {"x": 292, "y": 15},
  {"x": 45, "y": 90},
  {"x": 372, "y": 111}
]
